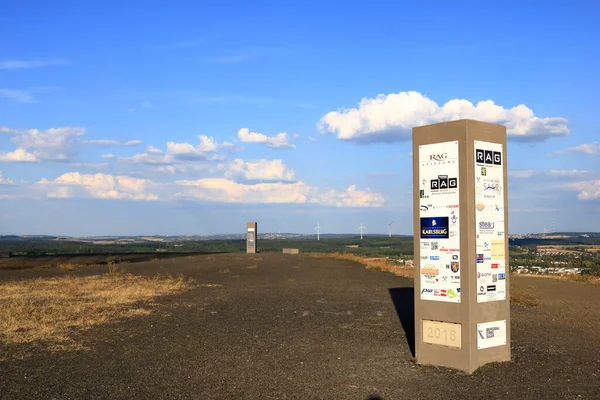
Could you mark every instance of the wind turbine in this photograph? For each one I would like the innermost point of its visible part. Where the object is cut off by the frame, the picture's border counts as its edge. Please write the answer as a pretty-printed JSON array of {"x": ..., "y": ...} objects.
[
  {"x": 361, "y": 228},
  {"x": 318, "y": 229},
  {"x": 390, "y": 228}
]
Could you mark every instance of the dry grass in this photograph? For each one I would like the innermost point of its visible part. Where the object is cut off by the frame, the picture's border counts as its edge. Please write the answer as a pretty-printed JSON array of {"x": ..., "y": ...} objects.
[
  {"x": 526, "y": 297},
  {"x": 114, "y": 267},
  {"x": 253, "y": 266},
  {"x": 381, "y": 264},
  {"x": 52, "y": 309},
  {"x": 591, "y": 279}
]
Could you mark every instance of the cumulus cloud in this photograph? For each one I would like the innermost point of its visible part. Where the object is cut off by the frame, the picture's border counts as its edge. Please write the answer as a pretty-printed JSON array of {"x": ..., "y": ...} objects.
[
  {"x": 391, "y": 117},
  {"x": 99, "y": 185},
  {"x": 588, "y": 190},
  {"x": 19, "y": 155},
  {"x": 261, "y": 169},
  {"x": 228, "y": 191},
  {"x": 54, "y": 144},
  {"x": 585, "y": 148},
  {"x": 186, "y": 150},
  {"x": 4, "y": 180},
  {"x": 153, "y": 150},
  {"x": 279, "y": 141},
  {"x": 351, "y": 197}
]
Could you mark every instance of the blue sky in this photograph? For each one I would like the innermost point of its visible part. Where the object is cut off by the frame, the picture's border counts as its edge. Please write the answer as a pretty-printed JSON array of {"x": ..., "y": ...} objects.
[{"x": 194, "y": 117}]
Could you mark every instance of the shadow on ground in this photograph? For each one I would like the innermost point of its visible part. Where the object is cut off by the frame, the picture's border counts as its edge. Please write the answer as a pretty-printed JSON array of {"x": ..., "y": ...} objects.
[{"x": 404, "y": 303}]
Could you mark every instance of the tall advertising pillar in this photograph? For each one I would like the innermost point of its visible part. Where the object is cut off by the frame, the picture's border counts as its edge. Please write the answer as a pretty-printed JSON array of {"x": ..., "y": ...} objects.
[
  {"x": 251, "y": 237},
  {"x": 462, "y": 310}
]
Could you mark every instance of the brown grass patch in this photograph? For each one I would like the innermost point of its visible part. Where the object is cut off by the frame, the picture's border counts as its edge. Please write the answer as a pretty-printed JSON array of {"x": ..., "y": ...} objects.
[
  {"x": 253, "y": 266},
  {"x": 52, "y": 309},
  {"x": 526, "y": 297},
  {"x": 591, "y": 279},
  {"x": 381, "y": 264}
]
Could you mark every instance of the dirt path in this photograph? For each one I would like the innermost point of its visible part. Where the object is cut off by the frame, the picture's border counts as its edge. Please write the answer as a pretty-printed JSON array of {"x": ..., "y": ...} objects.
[{"x": 287, "y": 327}]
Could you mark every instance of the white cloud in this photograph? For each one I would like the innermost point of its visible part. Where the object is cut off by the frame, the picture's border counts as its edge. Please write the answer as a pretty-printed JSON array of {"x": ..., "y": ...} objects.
[
  {"x": 312, "y": 139},
  {"x": 21, "y": 96},
  {"x": 585, "y": 148},
  {"x": 61, "y": 192},
  {"x": 150, "y": 159},
  {"x": 153, "y": 150},
  {"x": 279, "y": 141},
  {"x": 186, "y": 150},
  {"x": 109, "y": 156},
  {"x": 147, "y": 104},
  {"x": 521, "y": 173},
  {"x": 99, "y": 186},
  {"x": 349, "y": 198},
  {"x": 4, "y": 180},
  {"x": 588, "y": 190},
  {"x": 30, "y": 64},
  {"x": 54, "y": 144},
  {"x": 528, "y": 173},
  {"x": 102, "y": 142},
  {"x": 19, "y": 155},
  {"x": 228, "y": 191},
  {"x": 391, "y": 117},
  {"x": 89, "y": 165},
  {"x": 111, "y": 142},
  {"x": 262, "y": 169},
  {"x": 296, "y": 136},
  {"x": 568, "y": 172},
  {"x": 38, "y": 145}
]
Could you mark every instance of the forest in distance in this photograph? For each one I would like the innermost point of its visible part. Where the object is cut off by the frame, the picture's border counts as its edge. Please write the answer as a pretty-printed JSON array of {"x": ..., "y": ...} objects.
[{"x": 581, "y": 251}]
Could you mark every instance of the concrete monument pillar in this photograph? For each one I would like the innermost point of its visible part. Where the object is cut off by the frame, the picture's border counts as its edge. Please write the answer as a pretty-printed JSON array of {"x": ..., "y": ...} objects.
[
  {"x": 462, "y": 313},
  {"x": 251, "y": 237}
]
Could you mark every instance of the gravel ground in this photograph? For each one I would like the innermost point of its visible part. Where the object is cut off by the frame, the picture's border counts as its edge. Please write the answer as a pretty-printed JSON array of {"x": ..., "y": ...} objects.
[{"x": 274, "y": 326}]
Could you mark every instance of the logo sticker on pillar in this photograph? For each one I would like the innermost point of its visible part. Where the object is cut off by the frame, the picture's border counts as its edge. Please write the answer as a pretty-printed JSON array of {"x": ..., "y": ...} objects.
[
  {"x": 489, "y": 222},
  {"x": 434, "y": 228},
  {"x": 491, "y": 334}
]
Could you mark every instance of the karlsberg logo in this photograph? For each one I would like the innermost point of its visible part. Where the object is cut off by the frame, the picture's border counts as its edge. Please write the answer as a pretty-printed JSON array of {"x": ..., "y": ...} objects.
[
  {"x": 434, "y": 227},
  {"x": 488, "y": 157},
  {"x": 443, "y": 182},
  {"x": 438, "y": 157}
]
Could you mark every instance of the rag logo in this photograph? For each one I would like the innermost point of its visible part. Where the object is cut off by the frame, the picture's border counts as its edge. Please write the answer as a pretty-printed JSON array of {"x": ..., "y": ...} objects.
[
  {"x": 438, "y": 157},
  {"x": 444, "y": 183},
  {"x": 488, "y": 157}
]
